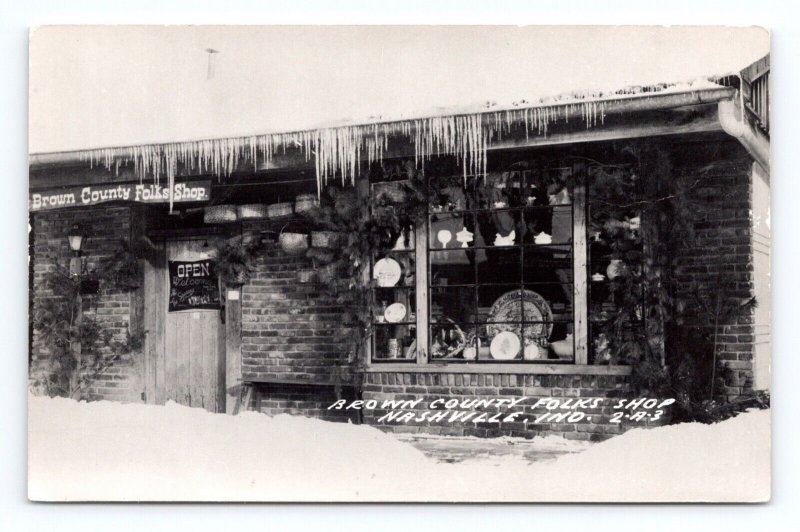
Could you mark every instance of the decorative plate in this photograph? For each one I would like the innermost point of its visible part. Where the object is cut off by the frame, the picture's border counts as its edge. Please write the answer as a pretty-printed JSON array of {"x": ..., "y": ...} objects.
[
  {"x": 387, "y": 272},
  {"x": 395, "y": 313},
  {"x": 509, "y": 308},
  {"x": 505, "y": 346}
]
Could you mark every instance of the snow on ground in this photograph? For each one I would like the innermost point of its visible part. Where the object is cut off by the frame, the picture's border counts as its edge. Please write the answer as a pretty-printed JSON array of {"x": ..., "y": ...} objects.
[
  {"x": 128, "y": 452},
  {"x": 452, "y": 449}
]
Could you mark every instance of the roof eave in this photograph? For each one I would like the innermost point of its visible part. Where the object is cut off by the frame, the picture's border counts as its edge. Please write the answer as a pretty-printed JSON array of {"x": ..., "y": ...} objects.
[{"x": 619, "y": 104}]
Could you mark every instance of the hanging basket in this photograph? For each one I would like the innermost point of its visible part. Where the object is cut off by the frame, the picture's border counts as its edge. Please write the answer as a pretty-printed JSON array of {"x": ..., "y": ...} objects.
[
  {"x": 293, "y": 243},
  {"x": 237, "y": 279},
  {"x": 255, "y": 211},
  {"x": 326, "y": 239},
  {"x": 305, "y": 203},
  {"x": 220, "y": 214},
  {"x": 280, "y": 210}
]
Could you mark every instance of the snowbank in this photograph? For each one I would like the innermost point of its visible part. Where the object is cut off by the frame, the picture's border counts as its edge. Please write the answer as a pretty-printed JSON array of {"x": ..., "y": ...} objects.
[{"x": 111, "y": 451}]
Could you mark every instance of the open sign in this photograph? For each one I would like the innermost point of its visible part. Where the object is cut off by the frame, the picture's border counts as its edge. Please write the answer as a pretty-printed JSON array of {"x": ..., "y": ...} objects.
[{"x": 193, "y": 285}]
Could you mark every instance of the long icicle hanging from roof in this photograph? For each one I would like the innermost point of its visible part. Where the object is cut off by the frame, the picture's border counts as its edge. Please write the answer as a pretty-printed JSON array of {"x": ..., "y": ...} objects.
[{"x": 339, "y": 150}]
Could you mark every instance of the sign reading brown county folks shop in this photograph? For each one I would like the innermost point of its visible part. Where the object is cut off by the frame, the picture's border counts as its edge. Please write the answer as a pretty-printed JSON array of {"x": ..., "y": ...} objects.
[
  {"x": 193, "y": 285},
  {"x": 135, "y": 192}
]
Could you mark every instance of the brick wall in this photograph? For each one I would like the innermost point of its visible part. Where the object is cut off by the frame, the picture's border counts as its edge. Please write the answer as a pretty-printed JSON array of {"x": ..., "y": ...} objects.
[
  {"x": 287, "y": 327},
  {"x": 288, "y": 332},
  {"x": 104, "y": 227},
  {"x": 595, "y": 426},
  {"x": 309, "y": 401},
  {"x": 722, "y": 253}
]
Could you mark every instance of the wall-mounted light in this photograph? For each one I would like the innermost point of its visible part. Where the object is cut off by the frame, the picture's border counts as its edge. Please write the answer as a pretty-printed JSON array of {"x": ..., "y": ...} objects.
[{"x": 75, "y": 238}]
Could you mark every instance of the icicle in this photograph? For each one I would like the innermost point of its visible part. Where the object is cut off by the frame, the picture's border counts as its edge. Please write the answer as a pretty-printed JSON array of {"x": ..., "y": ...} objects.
[{"x": 341, "y": 149}]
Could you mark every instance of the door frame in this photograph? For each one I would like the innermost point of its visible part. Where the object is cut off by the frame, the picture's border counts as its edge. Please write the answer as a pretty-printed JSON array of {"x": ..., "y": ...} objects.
[{"x": 155, "y": 302}]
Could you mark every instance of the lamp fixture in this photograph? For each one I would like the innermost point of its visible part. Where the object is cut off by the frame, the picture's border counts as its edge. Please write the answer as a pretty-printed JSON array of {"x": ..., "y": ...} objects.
[{"x": 75, "y": 237}]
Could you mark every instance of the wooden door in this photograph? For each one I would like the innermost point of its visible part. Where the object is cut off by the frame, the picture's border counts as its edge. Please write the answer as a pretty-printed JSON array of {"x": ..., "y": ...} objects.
[{"x": 185, "y": 359}]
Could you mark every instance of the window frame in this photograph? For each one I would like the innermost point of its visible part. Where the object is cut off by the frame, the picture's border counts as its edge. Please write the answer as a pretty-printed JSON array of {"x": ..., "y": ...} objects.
[{"x": 580, "y": 364}]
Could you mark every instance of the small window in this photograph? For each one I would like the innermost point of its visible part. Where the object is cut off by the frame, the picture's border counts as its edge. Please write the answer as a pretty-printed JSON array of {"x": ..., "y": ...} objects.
[{"x": 393, "y": 296}]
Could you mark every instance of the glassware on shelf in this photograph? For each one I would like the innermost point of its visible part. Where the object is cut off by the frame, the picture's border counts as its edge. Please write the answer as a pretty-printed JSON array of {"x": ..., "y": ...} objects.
[
  {"x": 393, "y": 348},
  {"x": 444, "y": 237},
  {"x": 465, "y": 236},
  {"x": 505, "y": 240}
]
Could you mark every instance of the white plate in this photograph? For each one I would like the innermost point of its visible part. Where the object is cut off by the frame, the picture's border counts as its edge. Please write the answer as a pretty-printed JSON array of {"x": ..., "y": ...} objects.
[
  {"x": 387, "y": 272},
  {"x": 505, "y": 346},
  {"x": 395, "y": 312}
]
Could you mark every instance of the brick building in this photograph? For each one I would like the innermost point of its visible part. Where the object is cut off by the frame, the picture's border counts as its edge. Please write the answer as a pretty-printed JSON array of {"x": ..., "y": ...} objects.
[{"x": 451, "y": 315}]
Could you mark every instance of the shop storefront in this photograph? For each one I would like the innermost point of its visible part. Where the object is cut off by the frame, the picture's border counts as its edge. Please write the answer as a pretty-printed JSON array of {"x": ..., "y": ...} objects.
[{"x": 492, "y": 256}]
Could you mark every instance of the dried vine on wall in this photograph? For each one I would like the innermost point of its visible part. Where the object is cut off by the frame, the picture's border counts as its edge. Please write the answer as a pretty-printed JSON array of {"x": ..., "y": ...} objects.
[
  {"x": 643, "y": 213},
  {"x": 79, "y": 348},
  {"x": 368, "y": 224}
]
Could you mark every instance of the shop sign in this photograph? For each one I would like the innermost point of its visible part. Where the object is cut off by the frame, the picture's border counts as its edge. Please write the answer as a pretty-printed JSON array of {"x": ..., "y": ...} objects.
[
  {"x": 132, "y": 192},
  {"x": 193, "y": 285}
]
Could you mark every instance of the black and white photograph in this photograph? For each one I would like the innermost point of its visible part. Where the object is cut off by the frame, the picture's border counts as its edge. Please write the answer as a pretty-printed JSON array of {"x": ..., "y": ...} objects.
[{"x": 386, "y": 263}]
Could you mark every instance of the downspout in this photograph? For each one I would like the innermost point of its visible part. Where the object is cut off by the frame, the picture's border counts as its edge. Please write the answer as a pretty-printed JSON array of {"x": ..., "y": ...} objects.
[{"x": 734, "y": 123}]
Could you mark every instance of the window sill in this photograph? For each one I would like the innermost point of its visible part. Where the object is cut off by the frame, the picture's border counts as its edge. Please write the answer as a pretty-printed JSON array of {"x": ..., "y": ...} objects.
[{"x": 528, "y": 369}]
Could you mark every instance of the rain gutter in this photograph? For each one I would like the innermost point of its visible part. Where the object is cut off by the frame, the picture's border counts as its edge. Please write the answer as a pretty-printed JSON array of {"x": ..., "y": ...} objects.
[{"x": 619, "y": 105}]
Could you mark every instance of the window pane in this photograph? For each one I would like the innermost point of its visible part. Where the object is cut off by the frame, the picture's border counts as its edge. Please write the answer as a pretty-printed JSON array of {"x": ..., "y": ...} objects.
[
  {"x": 451, "y": 231},
  {"x": 455, "y": 303},
  {"x": 500, "y": 342},
  {"x": 499, "y": 227},
  {"x": 452, "y": 197},
  {"x": 557, "y": 299},
  {"x": 394, "y": 305},
  {"x": 500, "y": 190},
  {"x": 394, "y": 342},
  {"x": 499, "y": 303},
  {"x": 385, "y": 269},
  {"x": 549, "y": 341},
  {"x": 535, "y": 341},
  {"x": 547, "y": 225},
  {"x": 547, "y": 264},
  {"x": 452, "y": 268},
  {"x": 501, "y": 265},
  {"x": 448, "y": 340}
]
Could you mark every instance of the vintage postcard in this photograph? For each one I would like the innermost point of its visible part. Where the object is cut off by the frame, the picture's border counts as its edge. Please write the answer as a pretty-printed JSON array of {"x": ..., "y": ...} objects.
[{"x": 399, "y": 264}]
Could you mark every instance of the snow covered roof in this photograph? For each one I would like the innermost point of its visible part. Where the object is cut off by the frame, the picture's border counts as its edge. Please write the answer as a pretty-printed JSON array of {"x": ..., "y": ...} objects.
[
  {"x": 144, "y": 94},
  {"x": 104, "y": 86}
]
